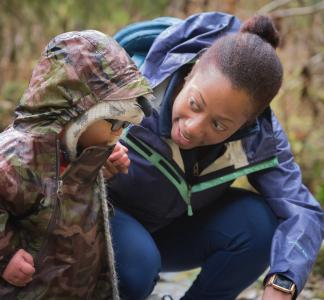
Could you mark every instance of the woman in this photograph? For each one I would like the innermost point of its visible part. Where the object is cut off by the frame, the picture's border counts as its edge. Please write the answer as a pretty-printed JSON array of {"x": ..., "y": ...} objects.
[{"x": 212, "y": 124}]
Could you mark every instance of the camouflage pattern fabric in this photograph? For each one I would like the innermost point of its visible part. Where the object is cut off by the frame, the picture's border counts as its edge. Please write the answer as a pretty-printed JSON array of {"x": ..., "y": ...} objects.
[{"x": 58, "y": 218}]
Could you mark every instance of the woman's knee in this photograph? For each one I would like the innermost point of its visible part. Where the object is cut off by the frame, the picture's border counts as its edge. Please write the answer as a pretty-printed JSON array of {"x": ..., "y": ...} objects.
[
  {"x": 252, "y": 210},
  {"x": 139, "y": 272},
  {"x": 257, "y": 222},
  {"x": 247, "y": 224},
  {"x": 138, "y": 260}
]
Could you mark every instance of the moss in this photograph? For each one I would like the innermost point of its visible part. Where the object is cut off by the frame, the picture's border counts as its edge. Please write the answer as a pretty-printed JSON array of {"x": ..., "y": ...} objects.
[
  {"x": 13, "y": 90},
  {"x": 319, "y": 264}
]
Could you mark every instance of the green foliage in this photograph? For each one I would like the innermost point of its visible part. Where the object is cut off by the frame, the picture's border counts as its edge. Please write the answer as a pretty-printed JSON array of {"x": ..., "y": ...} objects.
[
  {"x": 9, "y": 97},
  {"x": 319, "y": 265},
  {"x": 319, "y": 194},
  {"x": 13, "y": 90},
  {"x": 59, "y": 15},
  {"x": 27, "y": 26}
]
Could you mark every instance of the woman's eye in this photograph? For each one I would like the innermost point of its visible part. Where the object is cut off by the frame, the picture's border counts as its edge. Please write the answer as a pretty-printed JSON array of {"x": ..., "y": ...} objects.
[
  {"x": 193, "y": 104},
  {"x": 218, "y": 126}
]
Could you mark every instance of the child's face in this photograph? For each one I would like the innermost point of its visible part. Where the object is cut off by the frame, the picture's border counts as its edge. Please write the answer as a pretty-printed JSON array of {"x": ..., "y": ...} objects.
[
  {"x": 208, "y": 110},
  {"x": 98, "y": 134}
]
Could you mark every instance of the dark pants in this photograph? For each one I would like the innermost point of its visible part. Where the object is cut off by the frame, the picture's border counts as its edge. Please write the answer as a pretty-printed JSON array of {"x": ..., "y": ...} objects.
[{"x": 230, "y": 241}]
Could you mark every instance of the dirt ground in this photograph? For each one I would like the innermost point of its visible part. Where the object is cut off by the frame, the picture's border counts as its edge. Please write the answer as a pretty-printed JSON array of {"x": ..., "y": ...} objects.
[{"x": 175, "y": 284}]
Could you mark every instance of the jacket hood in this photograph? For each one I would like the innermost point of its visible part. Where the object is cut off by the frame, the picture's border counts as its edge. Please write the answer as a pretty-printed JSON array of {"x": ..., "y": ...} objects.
[
  {"x": 183, "y": 42},
  {"x": 77, "y": 71}
]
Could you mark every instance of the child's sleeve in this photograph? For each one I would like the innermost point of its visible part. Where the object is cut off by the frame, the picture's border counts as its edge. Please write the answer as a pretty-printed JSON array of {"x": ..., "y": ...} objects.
[
  {"x": 14, "y": 200},
  {"x": 299, "y": 235},
  {"x": 9, "y": 239}
]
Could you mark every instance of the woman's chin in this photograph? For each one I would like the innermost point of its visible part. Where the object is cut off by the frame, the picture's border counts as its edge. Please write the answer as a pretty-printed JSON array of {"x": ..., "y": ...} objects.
[
  {"x": 182, "y": 142},
  {"x": 185, "y": 147}
]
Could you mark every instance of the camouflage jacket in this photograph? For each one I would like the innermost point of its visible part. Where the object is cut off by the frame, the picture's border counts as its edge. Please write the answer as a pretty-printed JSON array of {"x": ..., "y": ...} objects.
[{"x": 58, "y": 220}]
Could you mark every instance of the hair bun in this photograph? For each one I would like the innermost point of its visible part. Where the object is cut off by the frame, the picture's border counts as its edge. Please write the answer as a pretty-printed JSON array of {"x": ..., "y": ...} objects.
[{"x": 263, "y": 27}]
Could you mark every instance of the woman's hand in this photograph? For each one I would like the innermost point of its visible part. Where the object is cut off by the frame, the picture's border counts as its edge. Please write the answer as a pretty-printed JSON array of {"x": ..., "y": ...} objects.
[
  {"x": 271, "y": 293},
  {"x": 117, "y": 162},
  {"x": 20, "y": 269}
]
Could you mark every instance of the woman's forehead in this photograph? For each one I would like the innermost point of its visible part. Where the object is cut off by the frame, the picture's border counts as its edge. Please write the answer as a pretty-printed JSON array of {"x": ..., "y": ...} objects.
[{"x": 218, "y": 94}]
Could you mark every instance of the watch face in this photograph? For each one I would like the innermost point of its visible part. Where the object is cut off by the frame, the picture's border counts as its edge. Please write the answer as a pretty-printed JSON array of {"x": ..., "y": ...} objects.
[{"x": 283, "y": 282}]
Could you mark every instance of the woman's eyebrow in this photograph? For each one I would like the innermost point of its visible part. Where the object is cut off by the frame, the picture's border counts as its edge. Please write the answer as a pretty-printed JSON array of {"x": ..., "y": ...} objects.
[
  {"x": 200, "y": 95},
  {"x": 205, "y": 105}
]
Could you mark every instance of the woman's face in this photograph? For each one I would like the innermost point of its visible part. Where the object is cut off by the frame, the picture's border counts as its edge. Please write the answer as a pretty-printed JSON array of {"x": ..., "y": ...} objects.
[{"x": 208, "y": 110}]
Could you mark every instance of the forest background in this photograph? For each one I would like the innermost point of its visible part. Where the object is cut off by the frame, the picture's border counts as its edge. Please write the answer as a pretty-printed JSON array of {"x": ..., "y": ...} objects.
[{"x": 26, "y": 26}]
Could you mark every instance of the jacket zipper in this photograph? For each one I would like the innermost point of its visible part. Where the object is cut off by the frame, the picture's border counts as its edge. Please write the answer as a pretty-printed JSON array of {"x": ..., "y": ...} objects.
[
  {"x": 56, "y": 208},
  {"x": 186, "y": 194},
  {"x": 196, "y": 169},
  {"x": 196, "y": 174},
  {"x": 186, "y": 197},
  {"x": 189, "y": 207}
]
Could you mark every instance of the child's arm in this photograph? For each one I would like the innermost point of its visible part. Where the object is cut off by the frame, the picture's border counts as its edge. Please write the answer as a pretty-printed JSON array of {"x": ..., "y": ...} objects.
[
  {"x": 16, "y": 267},
  {"x": 117, "y": 162},
  {"x": 14, "y": 193},
  {"x": 20, "y": 269}
]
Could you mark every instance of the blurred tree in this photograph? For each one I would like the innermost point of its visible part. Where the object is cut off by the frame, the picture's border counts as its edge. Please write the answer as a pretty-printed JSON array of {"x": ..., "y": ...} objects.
[
  {"x": 27, "y": 26},
  {"x": 183, "y": 8},
  {"x": 301, "y": 103}
]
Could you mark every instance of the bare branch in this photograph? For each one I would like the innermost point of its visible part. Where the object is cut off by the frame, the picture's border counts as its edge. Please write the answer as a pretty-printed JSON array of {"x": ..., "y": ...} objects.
[
  {"x": 298, "y": 11},
  {"x": 272, "y": 6}
]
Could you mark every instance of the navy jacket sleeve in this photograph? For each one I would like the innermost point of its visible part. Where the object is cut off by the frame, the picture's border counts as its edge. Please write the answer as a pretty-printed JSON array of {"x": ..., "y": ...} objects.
[{"x": 298, "y": 238}]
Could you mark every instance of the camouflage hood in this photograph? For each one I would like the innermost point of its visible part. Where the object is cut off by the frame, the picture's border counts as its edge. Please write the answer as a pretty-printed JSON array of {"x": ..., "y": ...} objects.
[{"x": 77, "y": 71}]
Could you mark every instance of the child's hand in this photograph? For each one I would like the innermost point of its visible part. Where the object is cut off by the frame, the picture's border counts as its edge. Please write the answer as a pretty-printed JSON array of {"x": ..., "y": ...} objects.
[
  {"x": 117, "y": 162},
  {"x": 20, "y": 269}
]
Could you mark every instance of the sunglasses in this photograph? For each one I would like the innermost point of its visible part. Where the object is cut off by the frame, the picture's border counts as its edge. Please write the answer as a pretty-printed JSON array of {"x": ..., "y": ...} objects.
[{"x": 117, "y": 124}]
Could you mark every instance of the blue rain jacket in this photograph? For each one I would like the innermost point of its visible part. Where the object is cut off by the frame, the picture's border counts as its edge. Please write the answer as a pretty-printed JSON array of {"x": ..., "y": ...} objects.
[{"x": 158, "y": 189}]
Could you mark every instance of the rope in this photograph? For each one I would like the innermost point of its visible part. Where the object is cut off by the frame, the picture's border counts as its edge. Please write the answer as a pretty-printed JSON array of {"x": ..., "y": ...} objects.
[{"x": 109, "y": 248}]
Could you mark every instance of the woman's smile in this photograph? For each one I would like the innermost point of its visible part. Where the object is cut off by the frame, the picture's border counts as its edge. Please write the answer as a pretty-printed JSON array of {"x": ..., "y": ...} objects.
[{"x": 180, "y": 137}]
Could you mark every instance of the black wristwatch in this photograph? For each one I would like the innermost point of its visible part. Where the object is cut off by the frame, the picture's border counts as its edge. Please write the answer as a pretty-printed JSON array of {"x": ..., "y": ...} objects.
[{"x": 282, "y": 283}]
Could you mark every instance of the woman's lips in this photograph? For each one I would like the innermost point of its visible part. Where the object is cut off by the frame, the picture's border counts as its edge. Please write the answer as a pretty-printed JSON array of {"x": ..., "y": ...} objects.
[{"x": 181, "y": 138}]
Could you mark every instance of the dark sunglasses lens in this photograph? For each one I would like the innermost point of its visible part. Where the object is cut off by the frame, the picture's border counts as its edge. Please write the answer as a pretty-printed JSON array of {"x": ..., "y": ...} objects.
[
  {"x": 117, "y": 124},
  {"x": 125, "y": 124}
]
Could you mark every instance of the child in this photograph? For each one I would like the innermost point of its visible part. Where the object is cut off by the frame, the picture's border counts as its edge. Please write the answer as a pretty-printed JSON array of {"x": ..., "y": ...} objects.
[{"x": 54, "y": 234}]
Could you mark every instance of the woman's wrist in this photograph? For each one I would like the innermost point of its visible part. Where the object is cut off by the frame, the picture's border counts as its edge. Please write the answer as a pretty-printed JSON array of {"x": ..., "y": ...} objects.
[
  {"x": 270, "y": 293},
  {"x": 281, "y": 283}
]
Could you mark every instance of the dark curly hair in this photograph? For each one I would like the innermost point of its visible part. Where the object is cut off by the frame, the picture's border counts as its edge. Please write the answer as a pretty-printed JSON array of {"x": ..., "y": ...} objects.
[{"x": 249, "y": 60}]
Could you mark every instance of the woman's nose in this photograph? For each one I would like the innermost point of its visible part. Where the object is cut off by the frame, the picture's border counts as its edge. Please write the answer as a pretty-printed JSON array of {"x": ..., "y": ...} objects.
[{"x": 193, "y": 127}]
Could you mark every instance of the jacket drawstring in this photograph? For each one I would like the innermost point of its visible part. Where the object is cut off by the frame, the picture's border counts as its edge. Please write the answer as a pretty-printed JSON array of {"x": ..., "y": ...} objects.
[{"x": 108, "y": 243}]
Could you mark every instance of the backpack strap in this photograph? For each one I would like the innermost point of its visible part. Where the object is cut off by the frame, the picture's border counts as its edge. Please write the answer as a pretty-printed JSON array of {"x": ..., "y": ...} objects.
[{"x": 137, "y": 38}]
